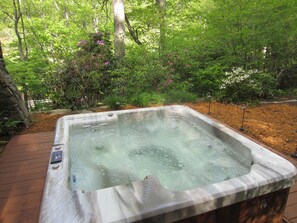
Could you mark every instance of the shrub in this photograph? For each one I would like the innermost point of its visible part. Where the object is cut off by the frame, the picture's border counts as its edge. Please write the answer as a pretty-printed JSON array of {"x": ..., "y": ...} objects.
[
  {"x": 207, "y": 80},
  {"x": 8, "y": 126},
  {"x": 29, "y": 75},
  {"x": 138, "y": 73},
  {"x": 243, "y": 85},
  {"x": 178, "y": 96},
  {"x": 287, "y": 93},
  {"x": 85, "y": 78},
  {"x": 114, "y": 102},
  {"x": 145, "y": 99},
  {"x": 41, "y": 105}
]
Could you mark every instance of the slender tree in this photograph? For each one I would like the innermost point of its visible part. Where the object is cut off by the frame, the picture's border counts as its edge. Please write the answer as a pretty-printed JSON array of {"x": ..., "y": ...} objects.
[
  {"x": 161, "y": 4},
  {"x": 132, "y": 31},
  {"x": 119, "y": 28},
  {"x": 18, "y": 19}
]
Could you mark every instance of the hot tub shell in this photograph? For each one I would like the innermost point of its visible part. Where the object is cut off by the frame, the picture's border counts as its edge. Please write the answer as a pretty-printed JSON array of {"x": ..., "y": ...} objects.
[{"x": 265, "y": 187}]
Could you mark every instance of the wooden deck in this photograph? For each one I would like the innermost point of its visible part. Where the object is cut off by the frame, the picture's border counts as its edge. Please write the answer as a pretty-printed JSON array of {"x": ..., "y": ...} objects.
[{"x": 23, "y": 167}]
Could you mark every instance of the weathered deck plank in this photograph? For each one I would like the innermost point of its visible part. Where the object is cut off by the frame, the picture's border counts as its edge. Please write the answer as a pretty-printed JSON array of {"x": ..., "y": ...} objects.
[{"x": 23, "y": 167}]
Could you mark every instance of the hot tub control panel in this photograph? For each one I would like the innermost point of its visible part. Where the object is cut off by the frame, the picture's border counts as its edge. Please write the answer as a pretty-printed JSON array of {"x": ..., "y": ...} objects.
[{"x": 56, "y": 157}]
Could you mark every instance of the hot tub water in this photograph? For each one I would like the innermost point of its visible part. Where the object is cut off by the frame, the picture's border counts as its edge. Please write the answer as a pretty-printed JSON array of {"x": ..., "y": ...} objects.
[{"x": 180, "y": 154}]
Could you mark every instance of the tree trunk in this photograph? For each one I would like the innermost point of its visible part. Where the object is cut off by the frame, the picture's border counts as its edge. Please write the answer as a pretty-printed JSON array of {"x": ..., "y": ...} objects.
[
  {"x": 23, "y": 29},
  {"x": 95, "y": 23},
  {"x": 161, "y": 4},
  {"x": 11, "y": 104},
  {"x": 66, "y": 16},
  {"x": 22, "y": 46},
  {"x": 119, "y": 29},
  {"x": 132, "y": 32}
]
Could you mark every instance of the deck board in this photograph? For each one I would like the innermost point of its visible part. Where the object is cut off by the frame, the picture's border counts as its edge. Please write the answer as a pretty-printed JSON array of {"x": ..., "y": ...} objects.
[
  {"x": 291, "y": 212},
  {"x": 23, "y": 163},
  {"x": 25, "y": 187},
  {"x": 23, "y": 167},
  {"x": 292, "y": 199},
  {"x": 293, "y": 220},
  {"x": 293, "y": 188}
]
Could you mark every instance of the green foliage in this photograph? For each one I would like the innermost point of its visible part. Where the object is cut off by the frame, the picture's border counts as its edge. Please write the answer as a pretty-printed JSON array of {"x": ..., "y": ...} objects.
[
  {"x": 29, "y": 75},
  {"x": 246, "y": 85},
  {"x": 141, "y": 100},
  {"x": 207, "y": 80},
  {"x": 41, "y": 105},
  {"x": 114, "y": 102},
  {"x": 200, "y": 41},
  {"x": 287, "y": 78},
  {"x": 146, "y": 99},
  {"x": 178, "y": 96},
  {"x": 84, "y": 79},
  {"x": 286, "y": 93},
  {"x": 139, "y": 72},
  {"x": 251, "y": 33},
  {"x": 8, "y": 126}
]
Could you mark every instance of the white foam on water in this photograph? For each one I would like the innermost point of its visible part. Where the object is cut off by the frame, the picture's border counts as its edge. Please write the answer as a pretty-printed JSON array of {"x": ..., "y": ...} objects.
[{"x": 181, "y": 154}]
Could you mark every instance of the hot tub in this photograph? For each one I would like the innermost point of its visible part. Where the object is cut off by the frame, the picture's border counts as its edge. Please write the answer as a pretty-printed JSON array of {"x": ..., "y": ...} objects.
[{"x": 163, "y": 164}]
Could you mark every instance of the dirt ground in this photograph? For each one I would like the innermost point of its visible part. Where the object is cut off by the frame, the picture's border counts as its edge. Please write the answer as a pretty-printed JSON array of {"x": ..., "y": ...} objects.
[{"x": 272, "y": 124}]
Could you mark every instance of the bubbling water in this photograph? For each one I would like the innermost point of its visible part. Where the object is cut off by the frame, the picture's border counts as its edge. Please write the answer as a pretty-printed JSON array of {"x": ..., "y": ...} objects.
[{"x": 181, "y": 154}]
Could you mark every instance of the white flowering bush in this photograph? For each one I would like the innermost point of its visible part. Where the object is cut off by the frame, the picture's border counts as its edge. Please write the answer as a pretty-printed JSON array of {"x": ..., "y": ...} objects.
[{"x": 242, "y": 85}]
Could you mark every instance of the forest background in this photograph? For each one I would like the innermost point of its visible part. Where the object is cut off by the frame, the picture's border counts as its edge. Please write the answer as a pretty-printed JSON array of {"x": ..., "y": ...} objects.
[{"x": 79, "y": 54}]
